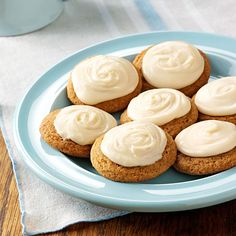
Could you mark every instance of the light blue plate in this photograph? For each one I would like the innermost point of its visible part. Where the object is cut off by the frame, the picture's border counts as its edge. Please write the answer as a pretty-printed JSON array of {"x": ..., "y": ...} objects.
[{"x": 170, "y": 192}]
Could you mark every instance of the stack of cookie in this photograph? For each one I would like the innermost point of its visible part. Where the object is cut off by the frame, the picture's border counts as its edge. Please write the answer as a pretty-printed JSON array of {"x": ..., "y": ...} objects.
[{"x": 171, "y": 115}]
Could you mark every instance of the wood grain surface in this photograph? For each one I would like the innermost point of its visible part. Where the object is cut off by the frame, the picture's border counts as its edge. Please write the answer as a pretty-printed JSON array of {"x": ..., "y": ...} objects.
[{"x": 216, "y": 220}]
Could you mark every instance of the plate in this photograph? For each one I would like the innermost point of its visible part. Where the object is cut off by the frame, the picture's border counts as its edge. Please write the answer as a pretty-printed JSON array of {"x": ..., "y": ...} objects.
[{"x": 171, "y": 191}]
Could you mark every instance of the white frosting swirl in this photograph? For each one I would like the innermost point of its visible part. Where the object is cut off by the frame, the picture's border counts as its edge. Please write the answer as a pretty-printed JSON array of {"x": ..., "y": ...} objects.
[
  {"x": 217, "y": 98},
  {"x": 102, "y": 78},
  {"x": 207, "y": 138},
  {"x": 172, "y": 64},
  {"x": 134, "y": 144},
  {"x": 159, "y": 106},
  {"x": 83, "y": 124}
]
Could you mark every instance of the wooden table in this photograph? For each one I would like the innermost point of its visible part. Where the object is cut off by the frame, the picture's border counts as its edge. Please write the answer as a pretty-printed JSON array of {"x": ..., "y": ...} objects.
[{"x": 216, "y": 220}]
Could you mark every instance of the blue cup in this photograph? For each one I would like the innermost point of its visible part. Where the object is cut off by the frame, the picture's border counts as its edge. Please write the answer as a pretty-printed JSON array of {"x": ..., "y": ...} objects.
[{"x": 24, "y": 16}]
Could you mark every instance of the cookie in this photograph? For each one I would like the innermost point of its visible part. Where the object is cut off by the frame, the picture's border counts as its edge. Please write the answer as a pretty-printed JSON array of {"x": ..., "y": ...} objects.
[
  {"x": 206, "y": 147},
  {"x": 162, "y": 110},
  {"x": 116, "y": 172},
  {"x": 217, "y": 100},
  {"x": 188, "y": 90},
  {"x": 50, "y": 136},
  {"x": 72, "y": 130},
  {"x": 110, "y": 87}
]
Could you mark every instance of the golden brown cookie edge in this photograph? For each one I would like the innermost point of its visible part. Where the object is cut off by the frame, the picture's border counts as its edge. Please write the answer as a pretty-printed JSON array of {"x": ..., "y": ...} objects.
[
  {"x": 205, "y": 165},
  {"x": 202, "y": 117}
]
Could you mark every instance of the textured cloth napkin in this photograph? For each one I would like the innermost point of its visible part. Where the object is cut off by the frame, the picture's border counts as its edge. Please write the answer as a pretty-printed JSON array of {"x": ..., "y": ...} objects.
[{"x": 83, "y": 22}]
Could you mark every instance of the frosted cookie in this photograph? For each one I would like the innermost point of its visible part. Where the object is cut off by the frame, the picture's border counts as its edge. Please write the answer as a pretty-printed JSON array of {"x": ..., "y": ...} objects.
[
  {"x": 173, "y": 64},
  {"x": 106, "y": 82},
  {"x": 217, "y": 100},
  {"x": 168, "y": 108},
  {"x": 73, "y": 129},
  {"x": 206, "y": 147},
  {"x": 133, "y": 152}
]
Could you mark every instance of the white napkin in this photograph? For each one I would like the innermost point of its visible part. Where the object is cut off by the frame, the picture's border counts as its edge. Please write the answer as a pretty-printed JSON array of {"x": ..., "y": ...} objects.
[{"x": 84, "y": 22}]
